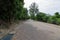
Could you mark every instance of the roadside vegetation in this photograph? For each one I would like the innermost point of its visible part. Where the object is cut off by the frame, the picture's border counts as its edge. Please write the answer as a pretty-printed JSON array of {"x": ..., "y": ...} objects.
[
  {"x": 13, "y": 10},
  {"x": 44, "y": 17}
]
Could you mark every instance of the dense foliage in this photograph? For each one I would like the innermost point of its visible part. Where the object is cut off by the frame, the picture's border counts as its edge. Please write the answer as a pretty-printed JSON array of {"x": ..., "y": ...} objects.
[
  {"x": 55, "y": 19},
  {"x": 12, "y": 10},
  {"x": 42, "y": 17},
  {"x": 24, "y": 15}
]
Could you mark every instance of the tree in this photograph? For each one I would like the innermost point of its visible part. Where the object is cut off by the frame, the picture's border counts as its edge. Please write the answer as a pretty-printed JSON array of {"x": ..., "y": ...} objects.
[
  {"x": 33, "y": 10},
  {"x": 58, "y": 21},
  {"x": 10, "y": 10},
  {"x": 52, "y": 20},
  {"x": 24, "y": 14},
  {"x": 18, "y": 8},
  {"x": 57, "y": 15},
  {"x": 42, "y": 17}
]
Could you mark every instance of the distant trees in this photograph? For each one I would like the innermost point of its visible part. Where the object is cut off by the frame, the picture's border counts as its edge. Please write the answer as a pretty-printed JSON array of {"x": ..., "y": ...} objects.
[
  {"x": 41, "y": 16},
  {"x": 57, "y": 15},
  {"x": 55, "y": 19},
  {"x": 33, "y": 10},
  {"x": 12, "y": 10}
]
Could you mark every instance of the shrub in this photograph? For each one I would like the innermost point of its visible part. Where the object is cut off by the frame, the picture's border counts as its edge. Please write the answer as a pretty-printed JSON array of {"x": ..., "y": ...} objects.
[{"x": 58, "y": 21}]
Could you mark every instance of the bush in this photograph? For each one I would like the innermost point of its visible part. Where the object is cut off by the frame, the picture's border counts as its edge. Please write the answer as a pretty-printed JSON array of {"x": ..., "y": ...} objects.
[
  {"x": 58, "y": 21},
  {"x": 52, "y": 20},
  {"x": 42, "y": 17}
]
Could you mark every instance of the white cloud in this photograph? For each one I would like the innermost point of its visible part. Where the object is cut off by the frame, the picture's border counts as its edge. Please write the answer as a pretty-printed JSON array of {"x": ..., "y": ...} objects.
[{"x": 47, "y": 6}]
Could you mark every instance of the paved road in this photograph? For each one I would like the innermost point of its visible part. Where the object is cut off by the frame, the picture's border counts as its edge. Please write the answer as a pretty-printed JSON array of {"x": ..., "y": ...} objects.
[{"x": 34, "y": 30}]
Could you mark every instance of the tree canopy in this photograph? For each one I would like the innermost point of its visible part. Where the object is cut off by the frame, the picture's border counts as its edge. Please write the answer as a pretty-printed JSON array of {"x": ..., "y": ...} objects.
[
  {"x": 12, "y": 10},
  {"x": 33, "y": 10}
]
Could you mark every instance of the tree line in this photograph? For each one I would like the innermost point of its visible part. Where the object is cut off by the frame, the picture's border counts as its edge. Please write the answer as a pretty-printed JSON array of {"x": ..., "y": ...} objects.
[
  {"x": 13, "y": 10},
  {"x": 41, "y": 16}
]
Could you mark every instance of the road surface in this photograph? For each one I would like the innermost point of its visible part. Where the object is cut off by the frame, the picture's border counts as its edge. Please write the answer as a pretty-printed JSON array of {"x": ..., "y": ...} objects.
[{"x": 34, "y": 30}]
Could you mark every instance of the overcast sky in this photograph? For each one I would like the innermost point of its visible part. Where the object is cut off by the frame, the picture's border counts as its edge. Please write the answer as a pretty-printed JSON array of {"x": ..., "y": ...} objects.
[{"x": 47, "y": 6}]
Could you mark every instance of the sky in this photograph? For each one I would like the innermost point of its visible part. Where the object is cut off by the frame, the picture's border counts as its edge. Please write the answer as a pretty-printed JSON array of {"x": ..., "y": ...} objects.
[{"x": 46, "y": 6}]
